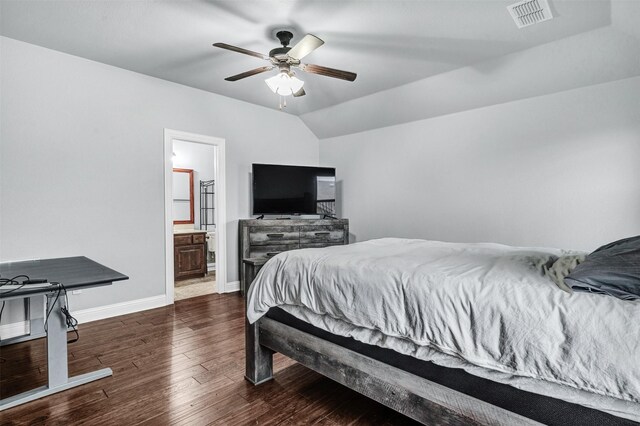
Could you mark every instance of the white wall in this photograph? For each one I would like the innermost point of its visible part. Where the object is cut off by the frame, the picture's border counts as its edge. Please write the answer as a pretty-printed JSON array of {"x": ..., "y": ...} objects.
[
  {"x": 201, "y": 159},
  {"x": 559, "y": 170},
  {"x": 82, "y": 162},
  {"x": 81, "y": 146}
]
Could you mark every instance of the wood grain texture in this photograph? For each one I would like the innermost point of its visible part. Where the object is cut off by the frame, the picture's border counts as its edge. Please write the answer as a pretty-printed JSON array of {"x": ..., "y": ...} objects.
[
  {"x": 249, "y": 73},
  {"x": 189, "y": 256},
  {"x": 418, "y": 398},
  {"x": 268, "y": 237},
  {"x": 328, "y": 72},
  {"x": 181, "y": 364},
  {"x": 241, "y": 50}
]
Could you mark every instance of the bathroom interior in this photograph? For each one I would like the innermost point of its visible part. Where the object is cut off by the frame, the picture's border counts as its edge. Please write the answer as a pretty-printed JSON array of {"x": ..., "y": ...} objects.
[{"x": 194, "y": 219}]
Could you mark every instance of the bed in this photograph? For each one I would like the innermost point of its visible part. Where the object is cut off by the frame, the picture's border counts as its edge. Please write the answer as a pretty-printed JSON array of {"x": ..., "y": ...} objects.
[{"x": 449, "y": 333}]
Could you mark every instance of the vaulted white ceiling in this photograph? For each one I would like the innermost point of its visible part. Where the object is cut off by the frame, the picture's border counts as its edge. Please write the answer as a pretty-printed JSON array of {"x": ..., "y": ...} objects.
[{"x": 405, "y": 52}]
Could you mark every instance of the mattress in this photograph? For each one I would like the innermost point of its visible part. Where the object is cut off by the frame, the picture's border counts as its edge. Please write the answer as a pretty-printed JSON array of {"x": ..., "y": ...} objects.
[{"x": 485, "y": 308}]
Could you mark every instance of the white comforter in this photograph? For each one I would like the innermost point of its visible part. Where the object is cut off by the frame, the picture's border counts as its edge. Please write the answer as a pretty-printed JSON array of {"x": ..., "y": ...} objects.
[{"x": 487, "y": 308}]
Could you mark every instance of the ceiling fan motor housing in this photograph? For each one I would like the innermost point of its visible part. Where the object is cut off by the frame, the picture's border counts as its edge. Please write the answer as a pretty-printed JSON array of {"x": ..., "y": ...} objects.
[
  {"x": 279, "y": 52},
  {"x": 284, "y": 37}
]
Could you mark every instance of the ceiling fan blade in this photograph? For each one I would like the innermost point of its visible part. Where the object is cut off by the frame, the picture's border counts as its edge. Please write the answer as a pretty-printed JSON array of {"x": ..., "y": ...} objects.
[
  {"x": 308, "y": 44},
  {"x": 249, "y": 73},
  {"x": 328, "y": 72},
  {"x": 241, "y": 50},
  {"x": 299, "y": 93}
]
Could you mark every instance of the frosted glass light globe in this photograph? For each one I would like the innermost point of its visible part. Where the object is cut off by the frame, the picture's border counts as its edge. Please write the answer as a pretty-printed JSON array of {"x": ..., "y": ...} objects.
[{"x": 283, "y": 84}]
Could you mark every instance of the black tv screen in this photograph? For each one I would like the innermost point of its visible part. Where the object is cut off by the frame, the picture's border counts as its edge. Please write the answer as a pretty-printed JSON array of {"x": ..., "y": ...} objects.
[{"x": 294, "y": 190}]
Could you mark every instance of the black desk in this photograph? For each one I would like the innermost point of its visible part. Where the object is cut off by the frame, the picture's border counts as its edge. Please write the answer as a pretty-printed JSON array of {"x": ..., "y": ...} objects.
[{"x": 74, "y": 273}]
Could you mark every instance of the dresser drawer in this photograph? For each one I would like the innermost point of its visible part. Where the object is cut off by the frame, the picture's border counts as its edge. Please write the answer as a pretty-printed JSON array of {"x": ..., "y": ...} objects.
[
  {"x": 271, "y": 250},
  {"x": 198, "y": 238},
  {"x": 319, "y": 245},
  {"x": 328, "y": 233},
  {"x": 264, "y": 238},
  {"x": 273, "y": 235}
]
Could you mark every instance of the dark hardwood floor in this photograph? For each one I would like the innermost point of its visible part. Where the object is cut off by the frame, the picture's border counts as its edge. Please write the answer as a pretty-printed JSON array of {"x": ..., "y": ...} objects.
[{"x": 182, "y": 364}]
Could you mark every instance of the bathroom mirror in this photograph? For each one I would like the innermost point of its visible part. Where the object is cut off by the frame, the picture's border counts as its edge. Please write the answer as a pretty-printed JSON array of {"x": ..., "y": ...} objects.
[{"x": 182, "y": 196}]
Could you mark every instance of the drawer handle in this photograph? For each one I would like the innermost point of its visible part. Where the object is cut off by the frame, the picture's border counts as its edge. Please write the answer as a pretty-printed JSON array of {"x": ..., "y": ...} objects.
[
  {"x": 272, "y": 253},
  {"x": 275, "y": 235},
  {"x": 322, "y": 233}
]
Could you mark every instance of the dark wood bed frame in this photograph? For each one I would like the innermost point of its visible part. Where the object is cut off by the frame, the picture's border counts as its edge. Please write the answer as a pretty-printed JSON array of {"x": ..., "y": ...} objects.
[{"x": 411, "y": 395}]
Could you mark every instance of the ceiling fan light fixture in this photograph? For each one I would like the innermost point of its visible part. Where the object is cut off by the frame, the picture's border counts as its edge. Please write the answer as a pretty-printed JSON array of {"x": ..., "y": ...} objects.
[{"x": 284, "y": 84}]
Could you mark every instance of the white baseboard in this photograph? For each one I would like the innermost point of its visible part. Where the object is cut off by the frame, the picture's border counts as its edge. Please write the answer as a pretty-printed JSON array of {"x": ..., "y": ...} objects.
[
  {"x": 102, "y": 312},
  {"x": 14, "y": 329},
  {"x": 21, "y": 328},
  {"x": 231, "y": 287}
]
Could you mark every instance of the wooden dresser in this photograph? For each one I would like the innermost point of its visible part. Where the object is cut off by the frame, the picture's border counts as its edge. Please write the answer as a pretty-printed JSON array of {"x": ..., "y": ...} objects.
[
  {"x": 189, "y": 254},
  {"x": 264, "y": 238}
]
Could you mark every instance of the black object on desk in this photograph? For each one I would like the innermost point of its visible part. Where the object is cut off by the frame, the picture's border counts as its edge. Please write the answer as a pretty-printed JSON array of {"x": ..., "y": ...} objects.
[{"x": 74, "y": 273}]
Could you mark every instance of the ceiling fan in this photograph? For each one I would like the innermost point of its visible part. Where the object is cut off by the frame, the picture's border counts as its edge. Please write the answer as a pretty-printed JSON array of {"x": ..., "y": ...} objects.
[{"x": 284, "y": 58}]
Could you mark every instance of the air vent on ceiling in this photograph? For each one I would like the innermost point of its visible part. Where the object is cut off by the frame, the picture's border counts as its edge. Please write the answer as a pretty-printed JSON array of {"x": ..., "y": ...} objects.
[{"x": 530, "y": 12}]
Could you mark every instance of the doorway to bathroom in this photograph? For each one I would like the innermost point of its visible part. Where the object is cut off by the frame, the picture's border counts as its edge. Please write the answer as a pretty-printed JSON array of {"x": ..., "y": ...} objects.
[{"x": 194, "y": 212}]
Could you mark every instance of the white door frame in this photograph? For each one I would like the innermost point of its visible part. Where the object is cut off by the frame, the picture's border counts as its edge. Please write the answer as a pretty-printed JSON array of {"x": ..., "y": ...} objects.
[{"x": 220, "y": 204}]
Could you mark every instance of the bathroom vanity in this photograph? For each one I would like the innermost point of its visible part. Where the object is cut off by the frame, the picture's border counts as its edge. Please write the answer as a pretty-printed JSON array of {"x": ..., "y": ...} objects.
[{"x": 189, "y": 253}]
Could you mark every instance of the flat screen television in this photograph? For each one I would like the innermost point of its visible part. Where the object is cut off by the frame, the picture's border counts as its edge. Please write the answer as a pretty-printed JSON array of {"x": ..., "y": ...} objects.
[{"x": 292, "y": 190}]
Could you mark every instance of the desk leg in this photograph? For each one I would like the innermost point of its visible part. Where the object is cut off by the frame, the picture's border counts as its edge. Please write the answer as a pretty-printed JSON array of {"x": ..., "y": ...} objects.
[
  {"x": 57, "y": 366},
  {"x": 36, "y": 317},
  {"x": 34, "y": 312}
]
